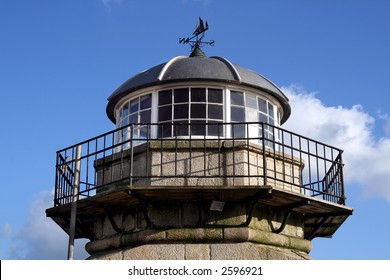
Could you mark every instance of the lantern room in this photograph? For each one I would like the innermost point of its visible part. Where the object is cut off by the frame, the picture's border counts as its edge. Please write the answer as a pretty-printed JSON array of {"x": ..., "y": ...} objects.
[{"x": 197, "y": 90}]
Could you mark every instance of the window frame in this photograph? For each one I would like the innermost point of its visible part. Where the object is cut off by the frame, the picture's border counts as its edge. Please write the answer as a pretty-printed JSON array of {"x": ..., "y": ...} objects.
[{"x": 225, "y": 114}]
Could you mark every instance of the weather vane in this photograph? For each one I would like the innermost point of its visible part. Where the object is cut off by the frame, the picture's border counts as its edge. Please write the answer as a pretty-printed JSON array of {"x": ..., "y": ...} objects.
[{"x": 197, "y": 36}]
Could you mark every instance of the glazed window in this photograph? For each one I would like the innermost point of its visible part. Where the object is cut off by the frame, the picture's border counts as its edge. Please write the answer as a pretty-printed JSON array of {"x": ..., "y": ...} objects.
[
  {"x": 246, "y": 107},
  {"x": 194, "y": 106},
  {"x": 135, "y": 111}
]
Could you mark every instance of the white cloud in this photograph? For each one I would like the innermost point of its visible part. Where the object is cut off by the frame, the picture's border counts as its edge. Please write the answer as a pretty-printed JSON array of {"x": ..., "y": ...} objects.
[
  {"x": 366, "y": 156},
  {"x": 386, "y": 119},
  {"x": 7, "y": 230},
  {"x": 108, "y": 3},
  {"x": 40, "y": 237},
  {"x": 203, "y": 2}
]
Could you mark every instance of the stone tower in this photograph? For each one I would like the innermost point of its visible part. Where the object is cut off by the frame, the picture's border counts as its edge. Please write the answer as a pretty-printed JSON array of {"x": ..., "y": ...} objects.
[{"x": 199, "y": 168}]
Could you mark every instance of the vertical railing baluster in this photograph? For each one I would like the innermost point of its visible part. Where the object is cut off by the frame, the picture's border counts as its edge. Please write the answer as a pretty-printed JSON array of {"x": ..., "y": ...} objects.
[
  {"x": 264, "y": 155},
  {"x": 248, "y": 157},
  {"x": 322, "y": 177},
  {"x": 131, "y": 155}
]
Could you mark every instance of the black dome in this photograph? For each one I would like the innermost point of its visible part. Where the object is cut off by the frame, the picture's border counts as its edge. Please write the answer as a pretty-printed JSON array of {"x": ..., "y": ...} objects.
[{"x": 197, "y": 68}]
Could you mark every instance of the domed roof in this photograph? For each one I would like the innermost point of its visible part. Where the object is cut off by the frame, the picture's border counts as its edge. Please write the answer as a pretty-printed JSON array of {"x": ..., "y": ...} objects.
[{"x": 197, "y": 68}]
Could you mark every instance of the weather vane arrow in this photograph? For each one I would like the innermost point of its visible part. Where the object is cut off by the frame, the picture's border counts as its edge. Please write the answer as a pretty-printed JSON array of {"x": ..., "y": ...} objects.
[{"x": 198, "y": 34}]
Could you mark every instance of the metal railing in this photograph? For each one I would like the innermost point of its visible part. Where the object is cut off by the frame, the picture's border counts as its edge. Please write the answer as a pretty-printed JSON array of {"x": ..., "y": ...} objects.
[{"x": 255, "y": 154}]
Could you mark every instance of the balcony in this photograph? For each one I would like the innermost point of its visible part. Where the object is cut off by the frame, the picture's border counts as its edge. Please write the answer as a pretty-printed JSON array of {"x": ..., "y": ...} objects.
[{"x": 257, "y": 162}]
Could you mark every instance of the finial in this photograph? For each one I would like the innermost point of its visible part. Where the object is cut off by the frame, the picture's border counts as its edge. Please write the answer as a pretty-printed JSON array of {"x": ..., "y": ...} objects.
[{"x": 196, "y": 40}]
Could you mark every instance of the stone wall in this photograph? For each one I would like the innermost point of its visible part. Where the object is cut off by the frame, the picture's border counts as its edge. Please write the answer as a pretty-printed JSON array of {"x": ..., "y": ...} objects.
[
  {"x": 176, "y": 223},
  {"x": 185, "y": 229},
  {"x": 225, "y": 163},
  {"x": 225, "y": 251}
]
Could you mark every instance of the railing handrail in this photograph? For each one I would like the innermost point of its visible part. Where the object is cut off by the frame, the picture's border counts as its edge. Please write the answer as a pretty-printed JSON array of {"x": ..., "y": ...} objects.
[
  {"x": 321, "y": 160},
  {"x": 220, "y": 123}
]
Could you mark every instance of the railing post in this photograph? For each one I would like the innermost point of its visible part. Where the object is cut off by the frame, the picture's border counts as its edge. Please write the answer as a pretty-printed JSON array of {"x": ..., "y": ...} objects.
[
  {"x": 56, "y": 199},
  {"x": 131, "y": 154},
  {"x": 75, "y": 198},
  {"x": 264, "y": 155},
  {"x": 341, "y": 177}
]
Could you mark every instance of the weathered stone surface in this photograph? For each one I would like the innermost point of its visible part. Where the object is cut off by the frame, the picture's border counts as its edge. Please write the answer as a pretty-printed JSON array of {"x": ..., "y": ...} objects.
[
  {"x": 200, "y": 236},
  {"x": 188, "y": 229},
  {"x": 129, "y": 221},
  {"x": 232, "y": 214},
  {"x": 217, "y": 163},
  {"x": 240, "y": 234},
  {"x": 236, "y": 251},
  {"x": 98, "y": 228},
  {"x": 163, "y": 214},
  {"x": 223, "y": 251},
  {"x": 105, "y": 244},
  {"x": 195, "y": 235},
  {"x": 107, "y": 226},
  {"x": 189, "y": 214},
  {"x": 197, "y": 252},
  {"x": 156, "y": 252}
]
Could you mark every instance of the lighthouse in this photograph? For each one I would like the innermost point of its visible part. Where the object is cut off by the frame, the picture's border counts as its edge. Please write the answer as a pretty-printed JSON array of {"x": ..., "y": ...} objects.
[{"x": 199, "y": 166}]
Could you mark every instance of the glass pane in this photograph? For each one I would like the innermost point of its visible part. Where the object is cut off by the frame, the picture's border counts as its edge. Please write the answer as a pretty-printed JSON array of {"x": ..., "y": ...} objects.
[
  {"x": 251, "y": 101},
  {"x": 181, "y": 95},
  {"x": 271, "y": 141},
  {"x": 215, "y": 129},
  {"x": 238, "y": 114},
  {"x": 253, "y": 131},
  {"x": 125, "y": 134},
  {"x": 180, "y": 129},
  {"x": 181, "y": 111},
  {"x": 271, "y": 110},
  {"x": 215, "y": 112},
  {"x": 125, "y": 122},
  {"x": 164, "y": 97},
  {"x": 238, "y": 130},
  {"x": 146, "y": 101},
  {"x": 198, "y": 111},
  {"x": 237, "y": 98},
  {"x": 134, "y": 118},
  {"x": 145, "y": 116},
  {"x": 262, "y": 105},
  {"x": 215, "y": 95},
  {"x": 271, "y": 131},
  {"x": 135, "y": 134},
  {"x": 144, "y": 132},
  {"x": 165, "y": 113},
  {"x": 125, "y": 110},
  {"x": 251, "y": 115},
  {"x": 164, "y": 130},
  {"x": 263, "y": 118},
  {"x": 198, "y": 128},
  {"x": 134, "y": 105},
  {"x": 198, "y": 95}
]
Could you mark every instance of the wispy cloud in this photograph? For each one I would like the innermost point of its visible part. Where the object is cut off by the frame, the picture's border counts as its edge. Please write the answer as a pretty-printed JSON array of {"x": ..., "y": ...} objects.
[
  {"x": 203, "y": 2},
  {"x": 40, "y": 238},
  {"x": 6, "y": 231},
  {"x": 109, "y": 3},
  {"x": 386, "y": 119},
  {"x": 366, "y": 156}
]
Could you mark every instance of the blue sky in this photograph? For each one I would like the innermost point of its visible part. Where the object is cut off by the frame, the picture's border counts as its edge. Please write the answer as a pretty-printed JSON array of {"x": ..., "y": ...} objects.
[{"x": 60, "y": 60}]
